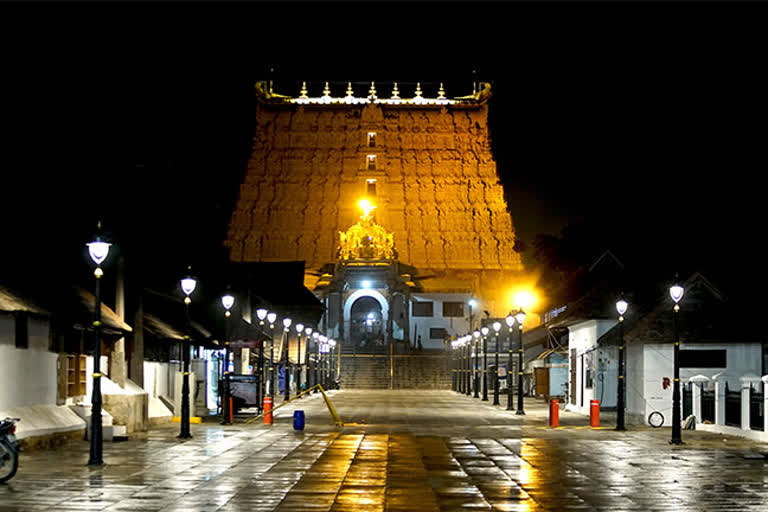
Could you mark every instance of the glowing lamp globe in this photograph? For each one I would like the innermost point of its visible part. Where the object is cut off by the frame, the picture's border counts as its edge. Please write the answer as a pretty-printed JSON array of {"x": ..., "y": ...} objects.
[
  {"x": 299, "y": 328},
  {"x": 227, "y": 301},
  {"x": 510, "y": 320},
  {"x": 484, "y": 330},
  {"x": 286, "y": 322},
  {"x": 261, "y": 314},
  {"x": 188, "y": 285},
  {"x": 621, "y": 306},
  {"x": 98, "y": 251},
  {"x": 308, "y": 330},
  {"x": 332, "y": 343},
  {"x": 496, "y": 326},
  {"x": 271, "y": 317},
  {"x": 676, "y": 292},
  {"x": 476, "y": 334},
  {"x": 520, "y": 317},
  {"x": 323, "y": 339},
  {"x": 315, "y": 335}
]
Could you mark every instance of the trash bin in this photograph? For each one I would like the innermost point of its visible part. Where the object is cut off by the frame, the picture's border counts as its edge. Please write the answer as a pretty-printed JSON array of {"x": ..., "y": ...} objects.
[{"x": 298, "y": 420}]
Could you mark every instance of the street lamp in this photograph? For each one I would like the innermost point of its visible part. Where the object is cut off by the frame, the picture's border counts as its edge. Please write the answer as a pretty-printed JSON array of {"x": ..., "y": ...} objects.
[
  {"x": 287, "y": 368},
  {"x": 188, "y": 285},
  {"x": 468, "y": 352},
  {"x": 320, "y": 351},
  {"x": 316, "y": 339},
  {"x": 475, "y": 368},
  {"x": 98, "y": 250},
  {"x": 621, "y": 308},
  {"x": 271, "y": 317},
  {"x": 520, "y": 317},
  {"x": 261, "y": 314},
  {"x": 333, "y": 374},
  {"x": 227, "y": 300},
  {"x": 484, "y": 332},
  {"x": 453, "y": 367},
  {"x": 510, "y": 321},
  {"x": 496, "y": 328},
  {"x": 676, "y": 292},
  {"x": 299, "y": 331},
  {"x": 307, "y": 336}
]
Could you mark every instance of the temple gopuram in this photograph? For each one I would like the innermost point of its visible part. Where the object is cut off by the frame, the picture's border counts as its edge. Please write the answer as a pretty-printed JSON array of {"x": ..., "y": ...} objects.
[{"x": 393, "y": 202}]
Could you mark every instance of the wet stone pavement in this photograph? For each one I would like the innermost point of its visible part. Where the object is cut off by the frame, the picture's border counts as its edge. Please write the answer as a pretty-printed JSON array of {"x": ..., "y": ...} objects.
[{"x": 405, "y": 450}]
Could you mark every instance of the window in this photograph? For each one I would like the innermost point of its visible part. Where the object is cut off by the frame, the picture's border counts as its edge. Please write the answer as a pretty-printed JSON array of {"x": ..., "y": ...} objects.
[
  {"x": 703, "y": 358},
  {"x": 437, "y": 333},
  {"x": 371, "y": 139},
  {"x": 422, "y": 308},
  {"x": 370, "y": 188},
  {"x": 371, "y": 159},
  {"x": 22, "y": 330},
  {"x": 453, "y": 309},
  {"x": 589, "y": 371}
]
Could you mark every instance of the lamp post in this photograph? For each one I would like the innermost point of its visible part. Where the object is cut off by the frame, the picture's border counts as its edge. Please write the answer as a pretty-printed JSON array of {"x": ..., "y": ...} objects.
[
  {"x": 316, "y": 339},
  {"x": 453, "y": 365},
  {"x": 299, "y": 331},
  {"x": 468, "y": 345},
  {"x": 98, "y": 250},
  {"x": 261, "y": 314},
  {"x": 621, "y": 308},
  {"x": 188, "y": 285},
  {"x": 227, "y": 300},
  {"x": 510, "y": 321},
  {"x": 331, "y": 371},
  {"x": 271, "y": 317},
  {"x": 320, "y": 351},
  {"x": 484, "y": 332},
  {"x": 496, "y": 329},
  {"x": 475, "y": 369},
  {"x": 287, "y": 367},
  {"x": 307, "y": 336},
  {"x": 676, "y": 292},
  {"x": 520, "y": 317}
]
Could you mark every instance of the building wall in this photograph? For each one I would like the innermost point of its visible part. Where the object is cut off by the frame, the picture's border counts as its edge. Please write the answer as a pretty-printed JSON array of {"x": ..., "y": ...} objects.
[
  {"x": 420, "y": 325},
  {"x": 603, "y": 362},
  {"x": 658, "y": 362},
  {"x": 27, "y": 375},
  {"x": 635, "y": 377}
]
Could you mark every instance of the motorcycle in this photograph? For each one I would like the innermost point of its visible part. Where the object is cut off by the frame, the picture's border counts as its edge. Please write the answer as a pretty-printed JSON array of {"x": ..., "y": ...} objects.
[{"x": 9, "y": 449}]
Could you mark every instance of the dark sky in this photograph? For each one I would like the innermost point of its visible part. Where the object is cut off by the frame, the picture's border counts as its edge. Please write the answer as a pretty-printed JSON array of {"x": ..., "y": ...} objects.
[{"x": 651, "y": 116}]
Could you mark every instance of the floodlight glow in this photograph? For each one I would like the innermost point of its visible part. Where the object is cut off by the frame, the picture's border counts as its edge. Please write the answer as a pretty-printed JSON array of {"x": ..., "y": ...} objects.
[{"x": 365, "y": 284}]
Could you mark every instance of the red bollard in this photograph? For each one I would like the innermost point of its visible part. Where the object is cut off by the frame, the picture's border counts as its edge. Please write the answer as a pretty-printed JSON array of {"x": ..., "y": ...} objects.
[
  {"x": 267, "y": 410},
  {"x": 230, "y": 410},
  {"x": 554, "y": 413},
  {"x": 594, "y": 413}
]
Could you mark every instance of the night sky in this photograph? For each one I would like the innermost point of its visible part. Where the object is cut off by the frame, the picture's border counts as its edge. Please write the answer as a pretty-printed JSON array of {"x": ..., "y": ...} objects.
[{"x": 647, "y": 119}]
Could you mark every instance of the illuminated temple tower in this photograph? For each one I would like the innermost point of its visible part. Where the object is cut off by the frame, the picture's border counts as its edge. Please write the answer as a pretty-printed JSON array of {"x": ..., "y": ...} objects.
[{"x": 424, "y": 163}]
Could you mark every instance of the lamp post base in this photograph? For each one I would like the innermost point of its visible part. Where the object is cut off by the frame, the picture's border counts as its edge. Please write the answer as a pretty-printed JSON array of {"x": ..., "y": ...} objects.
[{"x": 520, "y": 413}]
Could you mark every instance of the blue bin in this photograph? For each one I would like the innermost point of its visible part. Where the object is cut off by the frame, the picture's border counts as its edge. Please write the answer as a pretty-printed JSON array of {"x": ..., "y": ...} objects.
[{"x": 298, "y": 420}]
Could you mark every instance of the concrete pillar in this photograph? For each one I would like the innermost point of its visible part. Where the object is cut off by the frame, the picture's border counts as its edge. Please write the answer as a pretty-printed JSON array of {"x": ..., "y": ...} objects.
[
  {"x": 765, "y": 403},
  {"x": 117, "y": 364},
  {"x": 720, "y": 380},
  {"x": 746, "y": 384},
  {"x": 698, "y": 384},
  {"x": 245, "y": 360},
  {"x": 136, "y": 368}
]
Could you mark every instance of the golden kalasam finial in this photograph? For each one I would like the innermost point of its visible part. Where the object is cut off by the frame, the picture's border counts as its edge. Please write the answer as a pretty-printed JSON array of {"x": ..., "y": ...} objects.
[
  {"x": 441, "y": 92},
  {"x": 349, "y": 89},
  {"x": 395, "y": 92},
  {"x": 418, "y": 90},
  {"x": 303, "y": 92},
  {"x": 372, "y": 91},
  {"x": 327, "y": 90}
]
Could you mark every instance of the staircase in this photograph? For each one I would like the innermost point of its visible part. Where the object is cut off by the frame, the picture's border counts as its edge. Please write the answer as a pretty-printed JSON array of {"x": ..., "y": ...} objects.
[{"x": 412, "y": 371}]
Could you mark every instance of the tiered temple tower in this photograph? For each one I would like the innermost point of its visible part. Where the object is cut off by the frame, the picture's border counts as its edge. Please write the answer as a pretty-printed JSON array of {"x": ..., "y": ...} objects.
[{"x": 423, "y": 162}]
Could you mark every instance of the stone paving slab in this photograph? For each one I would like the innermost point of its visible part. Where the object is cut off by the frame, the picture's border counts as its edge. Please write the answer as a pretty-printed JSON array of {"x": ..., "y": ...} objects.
[{"x": 407, "y": 451}]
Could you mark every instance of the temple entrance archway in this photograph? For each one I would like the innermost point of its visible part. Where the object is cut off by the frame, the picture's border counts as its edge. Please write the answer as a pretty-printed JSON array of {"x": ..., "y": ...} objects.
[{"x": 365, "y": 321}]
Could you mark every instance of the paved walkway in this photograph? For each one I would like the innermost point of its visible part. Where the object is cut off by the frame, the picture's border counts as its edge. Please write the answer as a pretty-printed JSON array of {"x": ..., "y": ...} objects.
[{"x": 405, "y": 451}]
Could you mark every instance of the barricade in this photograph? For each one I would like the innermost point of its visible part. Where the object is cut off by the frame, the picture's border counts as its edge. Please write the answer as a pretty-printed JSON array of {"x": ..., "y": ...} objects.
[
  {"x": 594, "y": 413},
  {"x": 554, "y": 413},
  {"x": 267, "y": 410}
]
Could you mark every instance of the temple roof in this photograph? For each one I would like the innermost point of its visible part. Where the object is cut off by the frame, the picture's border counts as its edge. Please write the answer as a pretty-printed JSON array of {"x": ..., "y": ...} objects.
[{"x": 373, "y": 96}]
